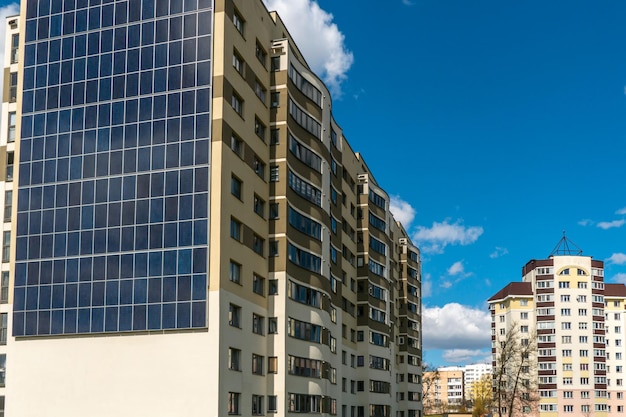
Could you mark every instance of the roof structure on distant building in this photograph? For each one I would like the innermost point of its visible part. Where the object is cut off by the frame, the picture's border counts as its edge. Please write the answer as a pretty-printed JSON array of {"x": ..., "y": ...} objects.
[
  {"x": 514, "y": 288},
  {"x": 614, "y": 290}
]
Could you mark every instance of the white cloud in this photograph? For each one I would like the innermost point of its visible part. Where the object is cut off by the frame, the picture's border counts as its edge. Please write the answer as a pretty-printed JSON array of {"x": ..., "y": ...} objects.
[
  {"x": 402, "y": 211},
  {"x": 585, "y": 222},
  {"x": 617, "y": 258},
  {"x": 619, "y": 278},
  {"x": 407, "y": 2},
  {"x": 621, "y": 211},
  {"x": 610, "y": 225},
  {"x": 455, "y": 326},
  {"x": 440, "y": 235},
  {"x": 465, "y": 356},
  {"x": 318, "y": 37},
  {"x": 456, "y": 268},
  {"x": 498, "y": 252},
  {"x": 445, "y": 284},
  {"x": 5, "y": 11}
]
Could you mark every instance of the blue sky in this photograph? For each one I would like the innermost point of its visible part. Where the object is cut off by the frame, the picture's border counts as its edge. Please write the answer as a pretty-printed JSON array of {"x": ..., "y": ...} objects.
[
  {"x": 500, "y": 124},
  {"x": 495, "y": 125}
]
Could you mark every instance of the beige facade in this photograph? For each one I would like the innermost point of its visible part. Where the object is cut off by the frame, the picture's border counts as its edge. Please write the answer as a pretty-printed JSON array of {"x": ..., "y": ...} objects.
[
  {"x": 577, "y": 321},
  {"x": 446, "y": 391},
  {"x": 314, "y": 290}
]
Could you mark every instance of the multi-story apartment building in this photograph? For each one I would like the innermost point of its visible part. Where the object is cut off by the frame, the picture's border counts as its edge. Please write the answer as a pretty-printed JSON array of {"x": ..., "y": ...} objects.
[
  {"x": 192, "y": 233},
  {"x": 472, "y": 374},
  {"x": 452, "y": 387},
  {"x": 445, "y": 391},
  {"x": 8, "y": 122},
  {"x": 574, "y": 322}
]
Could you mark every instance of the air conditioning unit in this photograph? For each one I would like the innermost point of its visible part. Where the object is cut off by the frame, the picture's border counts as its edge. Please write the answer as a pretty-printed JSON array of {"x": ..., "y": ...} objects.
[{"x": 403, "y": 241}]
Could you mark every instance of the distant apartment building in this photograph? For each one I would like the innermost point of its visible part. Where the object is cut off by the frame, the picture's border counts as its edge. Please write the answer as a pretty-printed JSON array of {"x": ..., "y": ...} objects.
[
  {"x": 575, "y": 322},
  {"x": 473, "y": 373},
  {"x": 189, "y": 232},
  {"x": 451, "y": 387}
]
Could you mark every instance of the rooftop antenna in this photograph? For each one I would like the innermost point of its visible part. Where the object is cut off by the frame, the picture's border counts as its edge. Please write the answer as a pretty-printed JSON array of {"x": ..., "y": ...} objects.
[{"x": 566, "y": 247}]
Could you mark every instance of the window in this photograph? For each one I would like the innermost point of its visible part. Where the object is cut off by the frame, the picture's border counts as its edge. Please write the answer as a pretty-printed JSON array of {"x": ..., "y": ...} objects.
[
  {"x": 304, "y": 259},
  {"x": 15, "y": 43},
  {"x": 3, "y": 328},
  {"x": 235, "y": 187},
  {"x": 274, "y": 210},
  {"x": 259, "y": 128},
  {"x": 4, "y": 287},
  {"x": 272, "y": 403},
  {"x": 237, "y": 103},
  {"x": 8, "y": 205},
  {"x": 272, "y": 365},
  {"x": 6, "y": 246},
  {"x": 13, "y": 87},
  {"x": 259, "y": 90},
  {"x": 273, "y": 248},
  {"x": 235, "y": 229},
  {"x": 272, "y": 287},
  {"x": 238, "y": 62},
  {"x": 259, "y": 206},
  {"x": 257, "y": 364},
  {"x": 305, "y": 155},
  {"x": 235, "y": 272},
  {"x": 10, "y": 160},
  {"x": 258, "y": 284},
  {"x": 274, "y": 136},
  {"x": 236, "y": 145},
  {"x": 274, "y": 174},
  {"x": 257, "y": 324},
  {"x": 305, "y": 120},
  {"x": 304, "y": 331},
  {"x": 234, "y": 359},
  {"x": 272, "y": 325},
  {"x": 260, "y": 53},
  {"x": 11, "y": 130},
  {"x": 304, "y": 189},
  {"x": 3, "y": 368},
  {"x": 257, "y": 244},
  {"x": 275, "y": 63},
  {"x": 274, "y": 99},
  {"x": 234, "y": 315},
  {"x": 524, "y": 316},
  {"x": 233, "y": 402},
  {"x": 257, "y": 405},
  {"x": 259, "y": 167},
  {"x": 308, "y": 90},
  {"x": 238, "y": 21}
]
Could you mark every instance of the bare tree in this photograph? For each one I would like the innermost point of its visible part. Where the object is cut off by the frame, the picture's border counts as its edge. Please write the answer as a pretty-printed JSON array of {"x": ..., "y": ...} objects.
[
  {"x": 515, "y": 390},
  {"x": 430, "y": 379}
]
